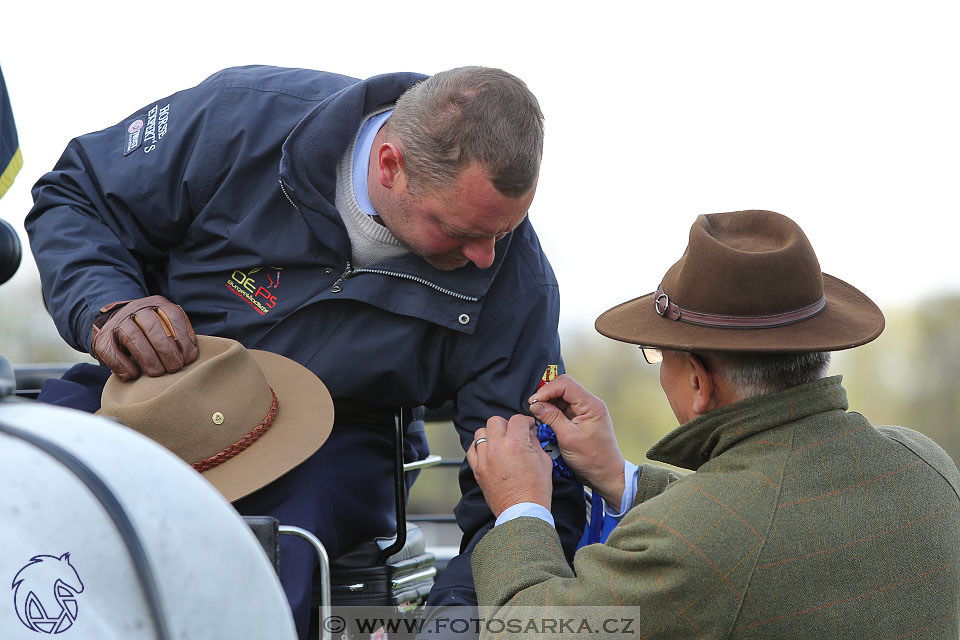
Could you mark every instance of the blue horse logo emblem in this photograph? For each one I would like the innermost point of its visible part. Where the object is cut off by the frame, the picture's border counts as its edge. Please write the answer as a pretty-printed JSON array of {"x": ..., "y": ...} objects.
[{"x": 45, "y": 594}]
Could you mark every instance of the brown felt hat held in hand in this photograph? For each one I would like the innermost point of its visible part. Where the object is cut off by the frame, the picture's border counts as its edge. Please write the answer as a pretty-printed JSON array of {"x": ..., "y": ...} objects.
[
  {"x": 241, "y": 417},
  {"x": 748, "y": 281}
]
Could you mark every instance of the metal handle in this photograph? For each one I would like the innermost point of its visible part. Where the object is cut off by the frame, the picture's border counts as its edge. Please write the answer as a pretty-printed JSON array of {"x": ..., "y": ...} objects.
[
  {"x": 324, "y": 574},
  {"x": 400, "y": 503},
  {"x": 430, "y": 461},
  {"x": 426, "y": 573}
]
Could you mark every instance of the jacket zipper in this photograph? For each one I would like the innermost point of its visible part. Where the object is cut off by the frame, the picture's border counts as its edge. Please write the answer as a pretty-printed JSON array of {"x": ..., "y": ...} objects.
[
  {"x": 397, "y": 274},
  {"x": 284, "y": 189},
  {"x": 349, "y": 272}
]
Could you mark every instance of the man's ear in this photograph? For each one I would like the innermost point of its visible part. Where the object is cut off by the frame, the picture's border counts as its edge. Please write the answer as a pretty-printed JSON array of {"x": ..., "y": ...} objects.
[
  {"x": 703, "y": 385},
  {"x": 390, "y": 169}
]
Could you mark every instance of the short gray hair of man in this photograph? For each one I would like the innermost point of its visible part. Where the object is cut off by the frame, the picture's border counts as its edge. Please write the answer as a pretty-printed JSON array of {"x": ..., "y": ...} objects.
[
  {"x": 465, "y": 115},
  {"x": 756, "y": 374}
]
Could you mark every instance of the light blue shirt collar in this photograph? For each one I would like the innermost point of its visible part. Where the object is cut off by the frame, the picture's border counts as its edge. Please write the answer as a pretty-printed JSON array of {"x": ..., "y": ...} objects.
[{"x": 361, "y": 160}]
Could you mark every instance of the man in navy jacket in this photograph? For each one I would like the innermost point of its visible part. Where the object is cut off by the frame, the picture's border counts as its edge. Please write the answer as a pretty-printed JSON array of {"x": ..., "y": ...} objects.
[{"x": 380, "y": 241}]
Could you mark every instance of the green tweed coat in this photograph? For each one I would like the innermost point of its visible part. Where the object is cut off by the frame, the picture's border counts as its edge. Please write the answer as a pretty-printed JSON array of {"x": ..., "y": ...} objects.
[{"x": 802, "y": 521}]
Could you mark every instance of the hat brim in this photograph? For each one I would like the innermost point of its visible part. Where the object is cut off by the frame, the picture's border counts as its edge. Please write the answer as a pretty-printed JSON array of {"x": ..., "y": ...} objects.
[
  {"x": 304, "y": 421},
  {"x": 849, "y": 319}
]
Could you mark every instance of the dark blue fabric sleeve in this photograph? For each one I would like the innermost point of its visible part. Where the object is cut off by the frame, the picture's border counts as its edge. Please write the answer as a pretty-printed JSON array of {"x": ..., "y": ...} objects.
[
  {"x": 509, "y": 354},
  {"x": 79, "y": 388},
  {"x": 117, "y": 199}
]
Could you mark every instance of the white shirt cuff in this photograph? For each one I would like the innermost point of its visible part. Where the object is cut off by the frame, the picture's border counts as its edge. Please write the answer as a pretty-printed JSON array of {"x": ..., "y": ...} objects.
[
  {"x": 530, "y": 509},
  {"x": 631, "y": 474}
]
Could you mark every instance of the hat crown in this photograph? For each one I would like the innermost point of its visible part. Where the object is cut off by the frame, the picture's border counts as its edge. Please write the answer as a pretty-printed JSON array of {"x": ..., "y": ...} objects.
[
  {"x": 749, "y": 281},
  {"x": 200, "y": 410},
  {"x": 745, "y": 263}
]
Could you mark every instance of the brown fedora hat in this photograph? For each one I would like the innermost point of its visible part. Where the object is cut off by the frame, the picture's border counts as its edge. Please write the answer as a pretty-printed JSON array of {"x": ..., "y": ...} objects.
[
  {"x": 748, "y": 281},
  {"x": 241, "y": 417}
]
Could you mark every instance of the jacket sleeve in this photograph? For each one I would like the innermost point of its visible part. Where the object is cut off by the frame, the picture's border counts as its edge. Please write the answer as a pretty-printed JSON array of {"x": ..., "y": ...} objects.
[
  {"x": 664, "y": 572},
  {"x": 653, "y": 481},
  {"x": 117, "y": 200},
  {"x": 521, "y": 576},
  {"x": 514, "y": 346}
]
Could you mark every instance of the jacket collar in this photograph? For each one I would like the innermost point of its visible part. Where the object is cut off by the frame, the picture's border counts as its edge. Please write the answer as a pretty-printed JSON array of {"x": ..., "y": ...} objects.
[
  {"x": 308, "y": 175},
  {"x": 693, "y": 443},
  {"x": 308, "y": 166}
]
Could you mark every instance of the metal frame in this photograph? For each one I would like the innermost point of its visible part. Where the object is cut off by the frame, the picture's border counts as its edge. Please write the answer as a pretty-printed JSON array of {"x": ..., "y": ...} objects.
[
  {"x": 324, "y": 574},
  {"x": 400, "y": 502}
]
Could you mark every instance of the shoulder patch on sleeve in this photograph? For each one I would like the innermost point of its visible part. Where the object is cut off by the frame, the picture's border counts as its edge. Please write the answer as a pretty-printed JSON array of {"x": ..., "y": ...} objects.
[{"x": 133, "y": 133}]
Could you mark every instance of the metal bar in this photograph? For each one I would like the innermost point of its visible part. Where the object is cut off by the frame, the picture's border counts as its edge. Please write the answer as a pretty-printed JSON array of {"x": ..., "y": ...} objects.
[
  {"x": 429, "y": 517},
  {"x": 325, "y": 603},
  {"x": 399, "y": 492},
  {"x": 426, "y": 573},
  {"x": 430, "y": 461}
]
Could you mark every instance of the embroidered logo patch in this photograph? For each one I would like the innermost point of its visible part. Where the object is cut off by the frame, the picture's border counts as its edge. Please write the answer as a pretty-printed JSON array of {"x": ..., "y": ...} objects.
[
  {"x": 262, "y": 297},
  {"x": 134, "y": 134},
  {"x": 548, "y": 376},
  {"x": 156, "y": 126},
  {"x": 147, "y": 129}
]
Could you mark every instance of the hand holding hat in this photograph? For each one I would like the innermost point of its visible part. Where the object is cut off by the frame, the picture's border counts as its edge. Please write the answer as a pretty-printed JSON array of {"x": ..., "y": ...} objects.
[{"x": 151, "y": 334}]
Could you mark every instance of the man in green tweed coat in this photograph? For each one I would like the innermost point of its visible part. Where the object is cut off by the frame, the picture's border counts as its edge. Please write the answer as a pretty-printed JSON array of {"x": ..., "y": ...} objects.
[{"x": 800, "y": 519}]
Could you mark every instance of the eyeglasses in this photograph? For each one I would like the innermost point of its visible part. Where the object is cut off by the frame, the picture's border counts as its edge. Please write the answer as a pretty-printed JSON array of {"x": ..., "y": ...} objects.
[{"x": 652, "y": 355}]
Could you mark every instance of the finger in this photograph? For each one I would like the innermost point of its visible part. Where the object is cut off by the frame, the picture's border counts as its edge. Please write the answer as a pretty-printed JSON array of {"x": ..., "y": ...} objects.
[
  {"x": 476, "y": 478},
  {"x": 472, "y": 459},
  {"x": 496, "y": 428},
  {"x": 545, "y": 461},
  {"x": 520, "y": 426},
  {"x": 479, "y": 433},
  {"x": 564, "y": 388},
  {"x": 181, "y": 330},
  {"x": 562, "y": 405},
  {"x": 476, "y": 454},
  {"x": 109, "y": 352},
  {"x": 548, "y": 414},
  {"x": 543, "y": 458},
  {"x": 533, "y": 432},
  {"x": 473, "y": 450},
  {"x": 131, "y": 337},
  {"x": 580, "y": 401},
  {"x": 160, "y": 335}
]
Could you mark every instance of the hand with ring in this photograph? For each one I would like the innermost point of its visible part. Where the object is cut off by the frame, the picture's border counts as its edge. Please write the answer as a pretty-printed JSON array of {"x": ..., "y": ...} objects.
[{"x": 511, "y": 467}]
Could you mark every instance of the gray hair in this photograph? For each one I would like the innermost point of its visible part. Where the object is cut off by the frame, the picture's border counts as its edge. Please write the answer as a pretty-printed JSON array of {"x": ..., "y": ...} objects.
[
  {"x": 467, "y": 115},
  {"x": 756, "y": 374}
]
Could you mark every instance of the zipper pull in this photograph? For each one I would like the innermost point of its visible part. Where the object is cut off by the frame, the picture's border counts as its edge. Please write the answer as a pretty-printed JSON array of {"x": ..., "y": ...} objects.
[{"x": 336, "y": 288}]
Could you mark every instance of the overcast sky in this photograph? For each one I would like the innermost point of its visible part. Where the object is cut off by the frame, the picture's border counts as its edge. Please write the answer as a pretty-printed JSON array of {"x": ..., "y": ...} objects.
[{"x": 843, "y": 115}]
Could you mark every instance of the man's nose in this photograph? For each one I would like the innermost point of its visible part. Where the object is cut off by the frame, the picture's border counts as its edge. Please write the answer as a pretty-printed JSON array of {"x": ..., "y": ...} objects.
[{"x": 480, "y": 252}]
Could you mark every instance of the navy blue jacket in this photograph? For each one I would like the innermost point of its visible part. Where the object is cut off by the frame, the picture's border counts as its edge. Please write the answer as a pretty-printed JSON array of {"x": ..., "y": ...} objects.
[{"x": 220, "y": 198}]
